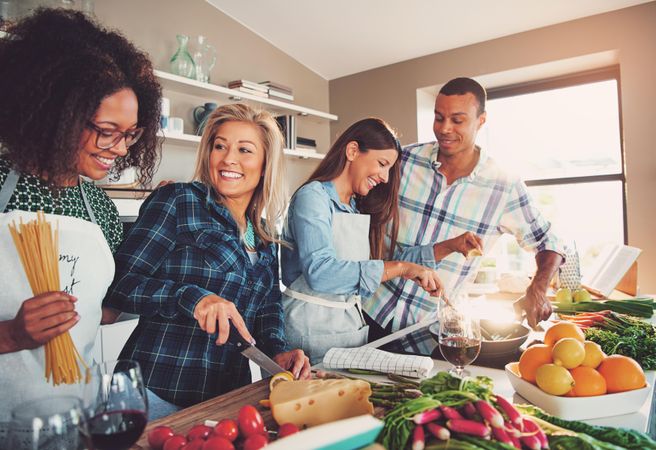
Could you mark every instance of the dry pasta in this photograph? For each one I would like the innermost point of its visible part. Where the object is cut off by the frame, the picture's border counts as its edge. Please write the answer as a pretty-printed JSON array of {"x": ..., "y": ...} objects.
[{"x": 38, "y": 249}]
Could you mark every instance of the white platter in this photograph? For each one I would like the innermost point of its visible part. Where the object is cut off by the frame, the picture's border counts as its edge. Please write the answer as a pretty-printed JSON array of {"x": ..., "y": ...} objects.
[{"x": 580, "y": 408}]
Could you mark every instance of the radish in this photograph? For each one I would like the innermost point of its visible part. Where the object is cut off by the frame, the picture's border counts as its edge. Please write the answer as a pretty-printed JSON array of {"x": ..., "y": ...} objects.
[
  {"x": 418, "y": 438},
  {"x": 469, "y": 411},
  {"x": 450, "y": 413},
  {"x": 430, "y": 415},
  {"x": 531, "y": 441},
  {"x": 532, "y": 427},
  {"x": 513, "y": 415},
  {"x": 469, "y": 427},
  {"x": 516, "y": 442},
  {"x": 489, "y": 414},
  {"x": 500, "y": 435},
  {"x": 511, "y": 430},
  {"x": 438, "y": 431}
]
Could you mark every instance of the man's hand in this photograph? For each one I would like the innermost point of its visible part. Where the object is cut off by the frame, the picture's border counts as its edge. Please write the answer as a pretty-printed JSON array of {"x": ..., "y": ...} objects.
[
  {"x": 296, "y": 362},
  {"x": 462, "y": 244},
  {"x": 212, "y": 309},
  {"x": 535, "y": 304}
]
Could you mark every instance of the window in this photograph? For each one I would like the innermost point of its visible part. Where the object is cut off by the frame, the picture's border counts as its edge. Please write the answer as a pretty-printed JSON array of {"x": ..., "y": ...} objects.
[{"x": 563, "y": 137}]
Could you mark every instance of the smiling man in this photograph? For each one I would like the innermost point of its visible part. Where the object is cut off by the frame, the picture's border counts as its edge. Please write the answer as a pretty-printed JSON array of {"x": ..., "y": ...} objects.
[{"x": 450, "y": 187}]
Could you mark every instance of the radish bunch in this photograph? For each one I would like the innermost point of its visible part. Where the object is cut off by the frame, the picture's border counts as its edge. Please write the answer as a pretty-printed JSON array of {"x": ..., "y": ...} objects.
[{"x": 478, "y": 419}]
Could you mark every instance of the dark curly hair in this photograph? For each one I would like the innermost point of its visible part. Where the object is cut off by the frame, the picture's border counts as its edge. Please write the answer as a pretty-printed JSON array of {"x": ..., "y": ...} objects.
[{"x": 56, "y": 67}]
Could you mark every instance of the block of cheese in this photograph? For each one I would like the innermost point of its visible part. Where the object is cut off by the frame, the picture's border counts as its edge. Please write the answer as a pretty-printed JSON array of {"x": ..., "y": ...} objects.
[{"x": 313, "y": 402}]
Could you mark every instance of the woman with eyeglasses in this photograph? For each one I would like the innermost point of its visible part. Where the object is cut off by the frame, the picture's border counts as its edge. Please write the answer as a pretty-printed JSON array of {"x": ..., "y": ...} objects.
[{"x": 76, "y": 100}]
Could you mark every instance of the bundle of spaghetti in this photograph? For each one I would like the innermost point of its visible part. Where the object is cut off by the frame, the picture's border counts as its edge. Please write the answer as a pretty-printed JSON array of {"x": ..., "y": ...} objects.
[{"x": 38, "y": 249}]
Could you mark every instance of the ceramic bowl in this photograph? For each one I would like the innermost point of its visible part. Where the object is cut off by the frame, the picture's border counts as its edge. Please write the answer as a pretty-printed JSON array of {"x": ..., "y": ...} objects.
[{"x": 579, "y": 408}]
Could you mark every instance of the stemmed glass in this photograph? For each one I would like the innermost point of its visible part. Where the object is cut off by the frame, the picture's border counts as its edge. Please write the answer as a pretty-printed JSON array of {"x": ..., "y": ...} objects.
[
  {"x": 116, "y": 404},
  {"x": 459, "y": 335},
  {"x": 53, "y": 423}
]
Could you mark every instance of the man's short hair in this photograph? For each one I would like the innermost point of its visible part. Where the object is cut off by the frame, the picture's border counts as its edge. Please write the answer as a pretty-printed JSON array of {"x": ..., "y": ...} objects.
[{"x": 462, "y": 86}]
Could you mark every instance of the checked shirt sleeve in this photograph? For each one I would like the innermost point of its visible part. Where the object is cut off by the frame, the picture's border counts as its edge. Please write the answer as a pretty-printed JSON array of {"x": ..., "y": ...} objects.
[
  {"x": 522, "y": 219},
  {"x": 136, "y": 288},
  {"x": 269, "y": 325}
]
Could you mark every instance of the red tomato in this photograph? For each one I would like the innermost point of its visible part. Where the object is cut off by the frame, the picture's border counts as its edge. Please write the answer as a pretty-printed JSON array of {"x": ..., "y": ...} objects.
[
  {"x": 175, "y": 442},
  {"x": 194, "y": 445},
  {"x": 226, "y": 428},
  {"x": 218, "y": 443},
  {"x": 250, "y": 421},
  {"x": 286, "y": 429},
  {"x": 255, "y": 442},
  {"x": 158, "y": 435},
  {"x": 199, "y": 432}
]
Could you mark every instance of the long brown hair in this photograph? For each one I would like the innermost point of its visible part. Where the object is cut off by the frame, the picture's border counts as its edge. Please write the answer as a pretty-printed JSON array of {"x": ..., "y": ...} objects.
[{"x": 382, "y": 202}]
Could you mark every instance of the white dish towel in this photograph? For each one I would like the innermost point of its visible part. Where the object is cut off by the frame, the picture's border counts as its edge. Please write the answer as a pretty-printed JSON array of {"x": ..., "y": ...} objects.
[{"x": 368, "y": 358}]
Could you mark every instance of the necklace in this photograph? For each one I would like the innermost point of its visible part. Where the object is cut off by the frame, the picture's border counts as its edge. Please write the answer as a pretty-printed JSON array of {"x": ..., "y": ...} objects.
[{"x": 249, "y": 235}]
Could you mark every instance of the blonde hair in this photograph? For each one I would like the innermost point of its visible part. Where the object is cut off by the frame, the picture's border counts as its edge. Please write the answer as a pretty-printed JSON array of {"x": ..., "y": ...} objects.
[{"x": 270, "y": 195}]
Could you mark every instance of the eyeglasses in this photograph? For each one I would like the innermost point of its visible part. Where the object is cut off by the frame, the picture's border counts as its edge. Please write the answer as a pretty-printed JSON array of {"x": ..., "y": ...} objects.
[{"x": 106, "y": 139}]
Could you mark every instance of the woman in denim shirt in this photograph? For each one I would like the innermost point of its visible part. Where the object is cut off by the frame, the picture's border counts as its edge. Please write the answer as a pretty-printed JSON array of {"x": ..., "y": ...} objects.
[
  {"x": 199, "y": 257},
  {"x": 336, "y": 222}
]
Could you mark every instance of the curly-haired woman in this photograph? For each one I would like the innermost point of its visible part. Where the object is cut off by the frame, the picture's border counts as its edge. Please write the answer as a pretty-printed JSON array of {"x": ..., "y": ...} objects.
[{"x": 75, "y": 100}]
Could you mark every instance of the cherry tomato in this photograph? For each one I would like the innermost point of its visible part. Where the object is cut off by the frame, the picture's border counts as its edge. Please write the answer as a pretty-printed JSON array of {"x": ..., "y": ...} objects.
[
  {"x": 226, "y": 428},
  {"x": 175, "y": 442},
  {"x": 255, "y": 442},
  {"x": 250, "y": 421},
  {"x": 286, "y": 429},
  {"x": 199, "y": 432},
  {"x": 194, "y": 445},
  {"x": 218, "y": 443},
  {"x": 158, "y": 435}
]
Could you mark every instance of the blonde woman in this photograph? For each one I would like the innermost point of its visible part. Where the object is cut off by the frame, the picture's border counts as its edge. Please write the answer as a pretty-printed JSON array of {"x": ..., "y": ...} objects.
[{"x": 200, "y": 257}]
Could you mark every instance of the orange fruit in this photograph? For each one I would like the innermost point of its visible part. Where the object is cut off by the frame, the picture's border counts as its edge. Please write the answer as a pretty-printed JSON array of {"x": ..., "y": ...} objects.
[
  {"x": 563, "y": 330},
  {"x": 532, "y": 358},
  {"x": 622, "y": 373},
  {"x": 588, "y": 382}
]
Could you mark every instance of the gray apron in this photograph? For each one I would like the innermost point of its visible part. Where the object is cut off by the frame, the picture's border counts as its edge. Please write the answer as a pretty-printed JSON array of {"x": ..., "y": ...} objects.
[{"x": 318, "y": 321}]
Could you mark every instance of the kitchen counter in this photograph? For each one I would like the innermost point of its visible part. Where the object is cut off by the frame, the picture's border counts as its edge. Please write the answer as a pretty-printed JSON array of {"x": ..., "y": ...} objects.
[{"x": 228, "y": 405}]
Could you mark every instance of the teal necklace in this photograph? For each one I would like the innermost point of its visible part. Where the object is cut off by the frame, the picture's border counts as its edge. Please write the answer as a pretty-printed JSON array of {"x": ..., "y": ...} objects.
[{"x": 249, "y": 235}]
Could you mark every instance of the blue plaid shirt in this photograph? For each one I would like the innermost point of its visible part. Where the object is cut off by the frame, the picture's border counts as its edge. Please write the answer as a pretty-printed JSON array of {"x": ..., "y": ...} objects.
[
  {"x": 184, "y": 246},
  {"x": 488, "y": 202}
]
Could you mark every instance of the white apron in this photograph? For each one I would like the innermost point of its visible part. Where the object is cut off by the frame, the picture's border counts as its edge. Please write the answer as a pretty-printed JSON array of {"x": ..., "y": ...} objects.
[
  {"x": 318, "y": 321},
  {"x": 86, "y": 269}
]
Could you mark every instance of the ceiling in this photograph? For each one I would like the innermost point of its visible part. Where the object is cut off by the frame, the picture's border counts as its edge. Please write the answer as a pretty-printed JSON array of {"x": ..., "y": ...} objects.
[{"x": 335, "y": 38}]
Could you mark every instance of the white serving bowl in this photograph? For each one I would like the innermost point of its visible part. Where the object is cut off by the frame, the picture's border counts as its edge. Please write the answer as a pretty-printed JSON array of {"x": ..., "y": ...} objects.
[{"x": 578, "y": 408}]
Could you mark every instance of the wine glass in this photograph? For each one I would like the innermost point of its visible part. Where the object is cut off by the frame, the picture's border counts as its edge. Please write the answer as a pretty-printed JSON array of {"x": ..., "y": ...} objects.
[
  {"x": 53, "y": 423},
  {"x": 116, "y": 404},
  {"x": 459, "y": 335}
]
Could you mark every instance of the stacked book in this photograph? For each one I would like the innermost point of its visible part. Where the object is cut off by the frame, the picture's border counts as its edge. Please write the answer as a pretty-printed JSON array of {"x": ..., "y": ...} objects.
[
  {"x": 306, "y": 144},
  {"x": 278, "y": 91},
  {"x": 249, "y": 87}
]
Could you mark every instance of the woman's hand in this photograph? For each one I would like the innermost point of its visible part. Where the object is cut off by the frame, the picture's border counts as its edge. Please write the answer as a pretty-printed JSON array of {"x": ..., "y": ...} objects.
[
  {"x": 296, "y": 362},
  {"x": 424, "y": 277},
  {"x": 463, "y": 244},
  {"x": 212, "y": 309},
  {"x": 38, "y": 320}
]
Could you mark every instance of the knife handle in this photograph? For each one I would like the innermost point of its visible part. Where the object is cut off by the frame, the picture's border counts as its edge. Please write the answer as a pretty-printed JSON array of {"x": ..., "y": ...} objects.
[{"x": 236, "y": 338}]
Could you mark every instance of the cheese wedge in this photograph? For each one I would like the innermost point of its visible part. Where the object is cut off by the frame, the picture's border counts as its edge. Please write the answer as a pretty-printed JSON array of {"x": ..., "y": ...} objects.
[{"x": 314, "y": 402}]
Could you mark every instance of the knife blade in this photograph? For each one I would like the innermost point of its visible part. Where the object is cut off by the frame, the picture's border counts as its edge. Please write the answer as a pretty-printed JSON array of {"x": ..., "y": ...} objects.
[{"x": 253, "y": 353}]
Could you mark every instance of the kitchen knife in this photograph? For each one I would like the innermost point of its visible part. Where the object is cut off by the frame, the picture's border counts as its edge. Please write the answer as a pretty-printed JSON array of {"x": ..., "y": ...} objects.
[{"x": 253, "y": 353}]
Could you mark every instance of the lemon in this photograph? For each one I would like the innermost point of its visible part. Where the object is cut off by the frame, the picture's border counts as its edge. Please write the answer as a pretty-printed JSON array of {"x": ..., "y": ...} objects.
[
  {"x": 279, "y": 378},
  {"x": 554, "y": 380},
  {"x": 594, "y": 355},
  {"x": 568, "y": 352},
  {"x": 564, "y": 295}
]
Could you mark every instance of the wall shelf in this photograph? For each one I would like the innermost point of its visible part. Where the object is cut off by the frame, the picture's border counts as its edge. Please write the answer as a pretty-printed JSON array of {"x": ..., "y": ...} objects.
[
  {"x": 192, "y": 87},
  {"x": 191, "y": 140}
]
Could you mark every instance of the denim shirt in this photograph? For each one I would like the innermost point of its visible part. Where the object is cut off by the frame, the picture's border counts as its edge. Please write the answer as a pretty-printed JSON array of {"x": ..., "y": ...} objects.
[{"x": 309, "y": 231}]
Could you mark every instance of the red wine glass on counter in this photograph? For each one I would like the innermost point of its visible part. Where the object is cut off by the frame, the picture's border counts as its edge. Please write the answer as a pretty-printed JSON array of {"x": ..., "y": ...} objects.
[
  {"x": 459, "y": 335},
  {"x": 116, "y": 404}
]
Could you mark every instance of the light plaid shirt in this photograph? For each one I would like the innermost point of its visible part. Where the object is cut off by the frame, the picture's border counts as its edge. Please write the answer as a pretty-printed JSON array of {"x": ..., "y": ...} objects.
[{"x": 488, "y": 202}]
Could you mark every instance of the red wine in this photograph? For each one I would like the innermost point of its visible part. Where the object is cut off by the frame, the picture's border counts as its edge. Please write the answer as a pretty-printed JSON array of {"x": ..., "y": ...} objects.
[
  {"x": 460, "y": 351},
  {"x": 116, "y": 429}
]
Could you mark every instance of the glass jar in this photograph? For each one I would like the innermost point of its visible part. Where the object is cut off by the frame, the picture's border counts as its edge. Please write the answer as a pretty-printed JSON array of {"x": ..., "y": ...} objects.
[
  {"x": 181, "y": 62},
  {"x": 204, "y": 59}
]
